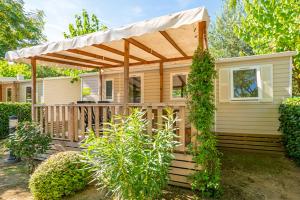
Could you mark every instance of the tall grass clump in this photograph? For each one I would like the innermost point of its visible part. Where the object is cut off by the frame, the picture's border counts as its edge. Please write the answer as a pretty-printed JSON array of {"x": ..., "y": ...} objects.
[{"x": 127, "y": 162}]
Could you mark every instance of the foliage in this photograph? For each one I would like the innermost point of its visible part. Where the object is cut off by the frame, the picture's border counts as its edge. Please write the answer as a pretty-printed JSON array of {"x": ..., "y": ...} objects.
[
  {"x": 86, "y": 91},
  {"x": 18, "y": 27},
  {"x": 12, "y": 70},
  {"x": 27, "y": 142},
  {"x": 200, "y": 89},
  {"x": 127, "y": 161},
  {"x": 84, "y": 25},
  {"x": 21, "y": 110},
  {"x": 290, "y": 127},
  {"x": 60, "y": 175},
  {"x": 272, "y": 26},
  {"x": 222, "y": 41}
]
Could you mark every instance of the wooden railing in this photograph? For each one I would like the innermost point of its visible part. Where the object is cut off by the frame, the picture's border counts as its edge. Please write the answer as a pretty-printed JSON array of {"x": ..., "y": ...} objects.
[{"x": 71, "y": 122}]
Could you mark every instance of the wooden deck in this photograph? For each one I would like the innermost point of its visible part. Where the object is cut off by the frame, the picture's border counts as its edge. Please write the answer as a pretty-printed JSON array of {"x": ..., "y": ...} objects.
[{"x": 68, "y": 124}]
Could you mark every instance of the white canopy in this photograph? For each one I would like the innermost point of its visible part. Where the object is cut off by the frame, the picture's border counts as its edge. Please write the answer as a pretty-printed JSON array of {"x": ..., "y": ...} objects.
[{"x": 163, "y": 38}]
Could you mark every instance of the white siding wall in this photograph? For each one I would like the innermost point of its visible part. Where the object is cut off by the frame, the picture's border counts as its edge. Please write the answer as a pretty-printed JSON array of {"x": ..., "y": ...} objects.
[
  {"x": 254, "y": 117},
  {"x": 92, "y": 83},
  {"x": 61, "y": 91}
]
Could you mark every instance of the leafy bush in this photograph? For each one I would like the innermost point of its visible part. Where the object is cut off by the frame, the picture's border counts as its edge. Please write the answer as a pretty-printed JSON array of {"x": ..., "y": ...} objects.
[
  {"x": 27, "y": 142},
  {"x": 127, "y": 161},
  {"x": 200, "y": 89},
  {"x": 290, "y": 127},
  {"x": 60, "y": 175},
  {"x": 21, "y": 110}
]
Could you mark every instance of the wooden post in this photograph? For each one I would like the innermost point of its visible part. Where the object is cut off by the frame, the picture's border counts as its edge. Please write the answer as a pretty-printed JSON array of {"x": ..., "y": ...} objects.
[
  {"x": 33, "y": 82},
  {"x": 126, "y": 75},
  {"x": 100, "y": 84},
  {"x": 71, "y": 122},
  {"x": 161, "y": 82},
  {"x": 15, "y": 92},
  {"x": 0, "y": 92},
  {"x": 202, "y": 36}
]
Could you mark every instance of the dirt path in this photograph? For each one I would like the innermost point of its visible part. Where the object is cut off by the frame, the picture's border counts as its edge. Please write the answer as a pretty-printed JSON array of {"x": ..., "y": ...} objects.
[
  {"x": 260, "y": 176},
  {"x": 245, "y": 176}
]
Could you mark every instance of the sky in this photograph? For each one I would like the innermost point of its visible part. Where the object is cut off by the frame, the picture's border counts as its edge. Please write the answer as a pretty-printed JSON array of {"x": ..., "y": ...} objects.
[{"x": 113, "y": 13}]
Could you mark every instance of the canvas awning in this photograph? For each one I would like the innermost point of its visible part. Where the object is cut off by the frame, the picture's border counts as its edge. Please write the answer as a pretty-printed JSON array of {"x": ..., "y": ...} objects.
[{"x": 168, "y": 38}]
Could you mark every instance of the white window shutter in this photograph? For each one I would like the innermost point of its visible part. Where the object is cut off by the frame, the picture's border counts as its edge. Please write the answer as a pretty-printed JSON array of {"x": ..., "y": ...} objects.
[
  {"x": 266, "y": 72},
  {"x": 224, "y": 85}
]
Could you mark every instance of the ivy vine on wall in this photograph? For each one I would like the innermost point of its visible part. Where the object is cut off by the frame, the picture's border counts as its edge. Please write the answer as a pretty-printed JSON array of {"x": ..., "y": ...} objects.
[{"x": 200, "y": 89}]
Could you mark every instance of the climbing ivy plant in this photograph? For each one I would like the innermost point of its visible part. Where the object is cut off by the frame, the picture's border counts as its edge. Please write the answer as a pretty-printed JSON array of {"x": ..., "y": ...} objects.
[{"x": 200, "y": 89}]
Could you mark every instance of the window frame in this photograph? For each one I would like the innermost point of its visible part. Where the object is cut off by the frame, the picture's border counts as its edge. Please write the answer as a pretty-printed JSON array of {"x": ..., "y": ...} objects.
[
  {"x": 258, "y": 80},
  {"x": 105, "y": 97},
  {"x": 26, "y": 94},
  {"x": 171, "y": 84},
  {"x": 142, "y": 85},
  {"x": 6, "y": 91}
]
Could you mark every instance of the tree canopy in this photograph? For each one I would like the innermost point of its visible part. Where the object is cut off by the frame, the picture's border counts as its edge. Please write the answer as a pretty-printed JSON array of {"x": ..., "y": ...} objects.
[
  {"x": 13, "y": 70},
  {"x": 84, "y": 25},
  {"x": 271, "y": 26},
  {"x": 18, "y": 27},
  {"x": 222, "y": 41}
]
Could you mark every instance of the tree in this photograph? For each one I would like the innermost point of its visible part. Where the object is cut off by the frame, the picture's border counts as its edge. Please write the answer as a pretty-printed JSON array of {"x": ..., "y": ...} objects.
[
  {"x": 84, "y": 25},
  {"x": 222, "y": 41},
  {"x": 18, "y": 27},
  {"x": 7, "y": 70},
  {"x": 200, "y": 89},
  {"x": 272, "y": 26}
]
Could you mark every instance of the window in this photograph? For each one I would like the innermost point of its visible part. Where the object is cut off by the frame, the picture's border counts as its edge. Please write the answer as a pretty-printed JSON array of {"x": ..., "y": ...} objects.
[
  {"x": 109, "y": 90},
  {"x": 245, "y": 83},
  {"x": 178, "y": 84},
  {"x": 8, "y": 94},
  {"x": 28, "y": 94},
  {"x": 135, "y": 89}
]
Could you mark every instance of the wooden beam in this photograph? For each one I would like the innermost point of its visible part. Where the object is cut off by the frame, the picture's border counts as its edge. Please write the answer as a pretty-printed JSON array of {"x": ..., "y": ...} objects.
[
  {"x": 33, "y": 86},
  {"x": 100, "y": 84},
  {"x": 126, "y": 74},
  {"x": 202, "y": 39},
  {"x": 66, "y": 62},
  {"x": 173, "y": 43},
  {"x": 116, "y": 51},
  {"x": 161, "y": 81},
  {"x": 157, "y": 61},
  {"x": 84, "y": 53},
  {"x": 56, "y": 55},
  {"x": 145, "y": 48}
]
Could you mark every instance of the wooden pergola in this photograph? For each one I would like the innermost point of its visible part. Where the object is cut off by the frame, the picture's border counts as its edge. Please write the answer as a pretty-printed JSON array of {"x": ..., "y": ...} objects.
[{"x": 173, "y": 41}]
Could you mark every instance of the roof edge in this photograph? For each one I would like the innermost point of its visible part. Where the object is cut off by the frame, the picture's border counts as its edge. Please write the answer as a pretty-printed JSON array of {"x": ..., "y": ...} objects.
[{"x": 256, "y": 57}]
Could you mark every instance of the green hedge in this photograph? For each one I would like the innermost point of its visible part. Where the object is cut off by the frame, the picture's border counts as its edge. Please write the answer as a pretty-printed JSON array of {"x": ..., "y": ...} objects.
[
  {"x": 290, "y": 127},
  {"x": 62, "y": 174},
  {"x": 21, "y": 110}
]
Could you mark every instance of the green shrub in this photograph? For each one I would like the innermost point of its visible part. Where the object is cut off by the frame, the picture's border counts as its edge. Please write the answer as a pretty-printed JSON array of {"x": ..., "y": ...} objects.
[
  {"x": 60, "y": 175},
  {"x": 200, "y": 89},
  {"x": 21, "y": 110},
  {"x": 128, "y": 162},
  {"x": 290, "y": 127},
  {"x": 27, "y": 142}
]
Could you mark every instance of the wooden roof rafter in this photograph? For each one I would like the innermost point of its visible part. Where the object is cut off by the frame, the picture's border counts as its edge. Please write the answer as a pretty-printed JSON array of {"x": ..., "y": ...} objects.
[
  {"x": 92, "y": 55},
  {"x": 173, "y": 43},
  {"x": 67, "y": 62},
  {"x": 118, "y": 52},
  {"x": 145, "y": 48},
  {"x": 71, "y": 58}
]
